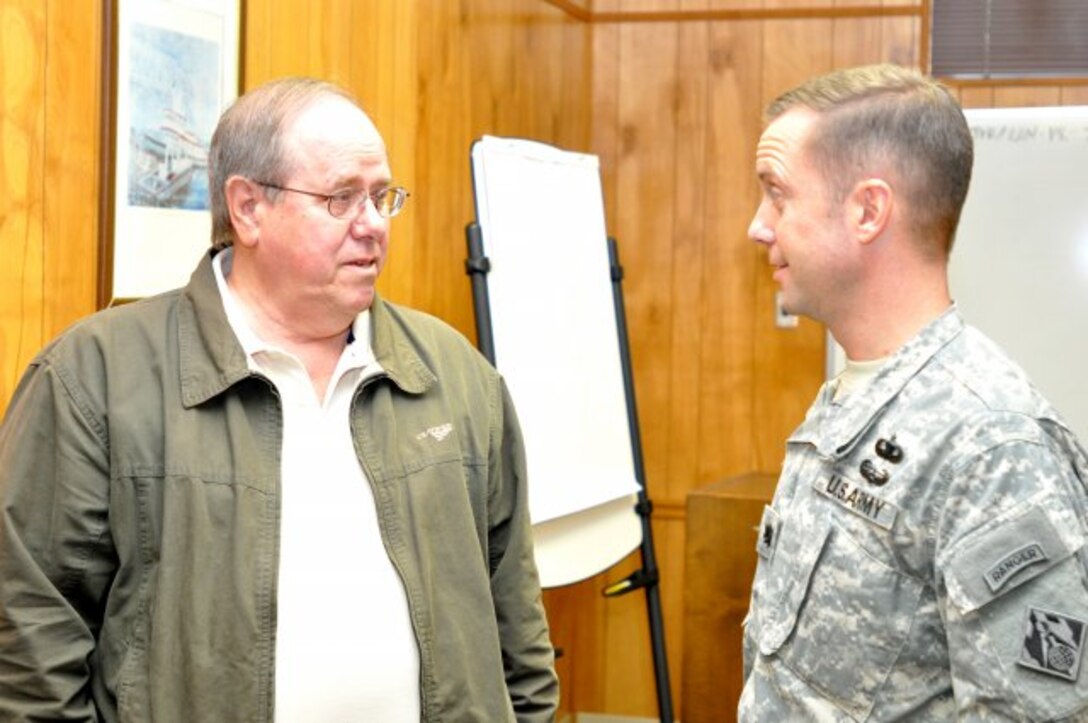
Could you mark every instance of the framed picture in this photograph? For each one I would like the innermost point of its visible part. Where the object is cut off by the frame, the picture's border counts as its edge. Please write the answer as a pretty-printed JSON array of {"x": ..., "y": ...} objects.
[{"x": 173, "y": 68}]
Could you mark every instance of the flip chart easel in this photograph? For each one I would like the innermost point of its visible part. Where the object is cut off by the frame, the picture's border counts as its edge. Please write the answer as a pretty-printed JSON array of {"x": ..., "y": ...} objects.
[{"x": 549, "y": 313}]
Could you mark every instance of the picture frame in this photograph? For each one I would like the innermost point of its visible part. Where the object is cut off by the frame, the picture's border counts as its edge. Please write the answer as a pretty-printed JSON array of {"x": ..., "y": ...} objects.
[{"x": 170, "y": 68}]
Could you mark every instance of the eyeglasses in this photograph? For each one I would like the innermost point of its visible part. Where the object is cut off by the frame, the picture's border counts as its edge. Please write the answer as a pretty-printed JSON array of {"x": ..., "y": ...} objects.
[{"x": 349, "y": 203}]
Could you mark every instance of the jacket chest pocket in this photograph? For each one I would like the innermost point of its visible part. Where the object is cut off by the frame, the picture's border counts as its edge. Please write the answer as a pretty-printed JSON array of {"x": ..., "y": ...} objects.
[{"x": 843, "y": 619}]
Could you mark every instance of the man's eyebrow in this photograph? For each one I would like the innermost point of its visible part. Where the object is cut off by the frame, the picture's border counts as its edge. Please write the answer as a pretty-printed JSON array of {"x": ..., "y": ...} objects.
[
  {"x": 355, "y": 181},
  {"x": 767, "y": 176}
]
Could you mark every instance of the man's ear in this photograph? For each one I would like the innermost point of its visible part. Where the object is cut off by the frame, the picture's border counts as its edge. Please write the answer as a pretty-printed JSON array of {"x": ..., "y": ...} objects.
[
  {"x": 870, "y": 204},
  {"x": 243, "y": 197}
]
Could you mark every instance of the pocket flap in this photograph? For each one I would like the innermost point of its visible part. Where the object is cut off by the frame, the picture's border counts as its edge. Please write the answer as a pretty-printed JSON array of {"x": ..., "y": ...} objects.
[
  {"x": 794, "y": 580},
  {"x": 1003, "y": 557}
]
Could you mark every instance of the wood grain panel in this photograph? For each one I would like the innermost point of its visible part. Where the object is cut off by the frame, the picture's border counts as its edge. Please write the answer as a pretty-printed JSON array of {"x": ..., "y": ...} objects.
[
  {"x": 257, "y": 36},
  {"x": 1026, "y": 96},
  {"x": 790, "y": 4},
  {"x": 604, "y": 122},
  {"x": 1074, "y": 95},
  {"x": 863, "y": 41},
  {"x": 690, "y": 5},
  {"x": 22, "y": 149},
  {"x": 856, "y": 42},
  {"x": 577, "y": 9},
  {"x": 722, "y": 521},
  {"x": 290, "y": 46},
  {"x": 900, "y": 41},
  {"x": 442, "y": 143},
  {"x": 688, "y": 199},
  {"x": 330, "y": 27},
  {"x": 73, "y": 93},
  {"x": 734, "y": 122},
  {"x": 641, "y": 6},
  {"x": 576, "y": 87},
  {"x": 976, "y": 97},
  {"x": 625, "y": 11},
  {"x": 48, "y": 187}
]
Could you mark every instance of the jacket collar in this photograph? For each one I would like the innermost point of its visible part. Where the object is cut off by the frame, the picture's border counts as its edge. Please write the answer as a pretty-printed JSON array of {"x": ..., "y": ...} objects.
[
  {"x": 212, "y": 360},
  {"x": 396, "y": 351},
  {"x": 835, "y": 428}
]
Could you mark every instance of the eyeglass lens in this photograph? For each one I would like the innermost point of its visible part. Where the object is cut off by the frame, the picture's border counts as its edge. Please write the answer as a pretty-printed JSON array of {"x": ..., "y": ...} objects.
[{"x": 387, "y": 202}]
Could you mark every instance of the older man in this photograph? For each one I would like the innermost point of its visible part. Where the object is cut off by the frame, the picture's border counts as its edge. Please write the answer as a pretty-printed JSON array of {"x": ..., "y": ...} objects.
[{"x": 271, "y": 495}]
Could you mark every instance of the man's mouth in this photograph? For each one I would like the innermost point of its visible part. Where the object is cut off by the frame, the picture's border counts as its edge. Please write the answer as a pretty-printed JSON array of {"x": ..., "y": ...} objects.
[{"x": 779, "y": 269}]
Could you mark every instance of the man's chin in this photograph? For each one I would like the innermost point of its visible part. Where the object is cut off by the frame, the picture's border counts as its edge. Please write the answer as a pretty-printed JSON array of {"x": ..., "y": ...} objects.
[{"x": 359, "y": 300}]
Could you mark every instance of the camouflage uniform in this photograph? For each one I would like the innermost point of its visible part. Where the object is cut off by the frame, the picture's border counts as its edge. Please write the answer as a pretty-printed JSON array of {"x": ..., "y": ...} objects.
[{"x": 923, "y": 557}]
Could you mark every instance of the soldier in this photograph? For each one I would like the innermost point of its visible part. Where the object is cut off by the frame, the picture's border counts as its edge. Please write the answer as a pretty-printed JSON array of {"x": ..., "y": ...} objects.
[{"x": 924, "y": 556}]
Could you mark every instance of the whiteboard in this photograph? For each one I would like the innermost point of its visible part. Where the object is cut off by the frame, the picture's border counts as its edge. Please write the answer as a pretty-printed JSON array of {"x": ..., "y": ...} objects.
[
  {"x": 1019, "y": 266},
  {"x": 556, "y": 342}
]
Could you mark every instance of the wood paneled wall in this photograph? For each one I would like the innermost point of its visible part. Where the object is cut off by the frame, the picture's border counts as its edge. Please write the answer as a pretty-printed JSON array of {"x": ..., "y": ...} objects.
[
  {"x": 669, "y": 93},
  {"x": 49, "y": 100}
]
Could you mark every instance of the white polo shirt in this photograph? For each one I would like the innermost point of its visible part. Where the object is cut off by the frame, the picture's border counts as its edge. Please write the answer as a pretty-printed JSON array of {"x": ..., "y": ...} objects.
[{"x": 345, "y": 647}]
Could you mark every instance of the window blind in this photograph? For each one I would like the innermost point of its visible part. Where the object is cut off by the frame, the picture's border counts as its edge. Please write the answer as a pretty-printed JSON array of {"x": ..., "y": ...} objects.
[{"x": 1003, "y": 38}]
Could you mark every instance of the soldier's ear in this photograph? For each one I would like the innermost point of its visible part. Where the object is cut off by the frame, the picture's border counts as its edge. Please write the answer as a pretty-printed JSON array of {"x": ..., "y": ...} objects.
[{"x": 869, "y": 208}]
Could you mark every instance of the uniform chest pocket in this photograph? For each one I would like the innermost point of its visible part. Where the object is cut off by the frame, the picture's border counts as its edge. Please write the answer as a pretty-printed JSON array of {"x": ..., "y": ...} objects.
[{"x": 845, "y": 628}]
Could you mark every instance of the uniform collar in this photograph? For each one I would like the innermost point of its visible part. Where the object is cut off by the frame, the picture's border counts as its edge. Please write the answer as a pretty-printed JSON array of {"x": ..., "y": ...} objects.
[{"x": 835, "y": 427}]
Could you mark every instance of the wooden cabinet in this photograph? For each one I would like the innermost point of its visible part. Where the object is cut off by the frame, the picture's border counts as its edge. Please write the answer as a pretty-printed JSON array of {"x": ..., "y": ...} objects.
[{"x": 720, "y": 560}]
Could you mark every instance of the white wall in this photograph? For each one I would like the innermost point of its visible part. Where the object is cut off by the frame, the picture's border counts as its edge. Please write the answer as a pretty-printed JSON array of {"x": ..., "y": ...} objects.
[{"x": 1019, "y": 268}]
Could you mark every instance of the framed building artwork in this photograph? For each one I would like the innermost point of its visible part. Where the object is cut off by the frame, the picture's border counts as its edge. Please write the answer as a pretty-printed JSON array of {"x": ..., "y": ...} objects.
[{"x": 173, "y": 67}]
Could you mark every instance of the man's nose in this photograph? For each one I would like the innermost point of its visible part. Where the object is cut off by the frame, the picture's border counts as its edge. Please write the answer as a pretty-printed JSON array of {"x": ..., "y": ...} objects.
[
  {"x": 368, "y": 216},
  {"x": 759, "y": 231}
]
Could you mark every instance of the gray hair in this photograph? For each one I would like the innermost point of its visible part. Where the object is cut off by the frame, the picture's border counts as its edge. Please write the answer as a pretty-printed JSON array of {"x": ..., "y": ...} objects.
[
  {"x": 248, "y": 140},
  {"x": 893, "y": 114}
]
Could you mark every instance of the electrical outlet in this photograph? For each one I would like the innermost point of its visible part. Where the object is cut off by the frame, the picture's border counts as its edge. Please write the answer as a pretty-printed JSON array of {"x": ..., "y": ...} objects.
[{"x": 782, "y": 318}]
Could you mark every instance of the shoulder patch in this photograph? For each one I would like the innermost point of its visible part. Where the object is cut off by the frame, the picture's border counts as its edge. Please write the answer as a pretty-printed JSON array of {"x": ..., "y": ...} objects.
[
  {"x": 1053, "y": 643},
  {"x": 1004, "y": 569},
  {"x": 1009, "y": 551}
]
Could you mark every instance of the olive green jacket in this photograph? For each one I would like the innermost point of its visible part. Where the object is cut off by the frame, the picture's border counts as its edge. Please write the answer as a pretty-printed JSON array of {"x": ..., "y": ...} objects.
[{"x": 139, "y": 533}]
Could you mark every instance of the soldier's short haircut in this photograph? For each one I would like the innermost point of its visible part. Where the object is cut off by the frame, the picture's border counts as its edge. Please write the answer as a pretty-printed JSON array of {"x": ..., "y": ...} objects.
[{"x": 882, "y": 116}]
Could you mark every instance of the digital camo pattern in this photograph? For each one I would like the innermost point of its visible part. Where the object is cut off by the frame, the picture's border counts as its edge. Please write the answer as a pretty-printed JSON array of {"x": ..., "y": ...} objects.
[{"x": 917, "y": 522}]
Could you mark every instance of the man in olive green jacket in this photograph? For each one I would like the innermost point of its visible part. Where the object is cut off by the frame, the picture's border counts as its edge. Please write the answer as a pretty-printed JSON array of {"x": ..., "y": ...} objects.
[{"x": 140, "y": 477}]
